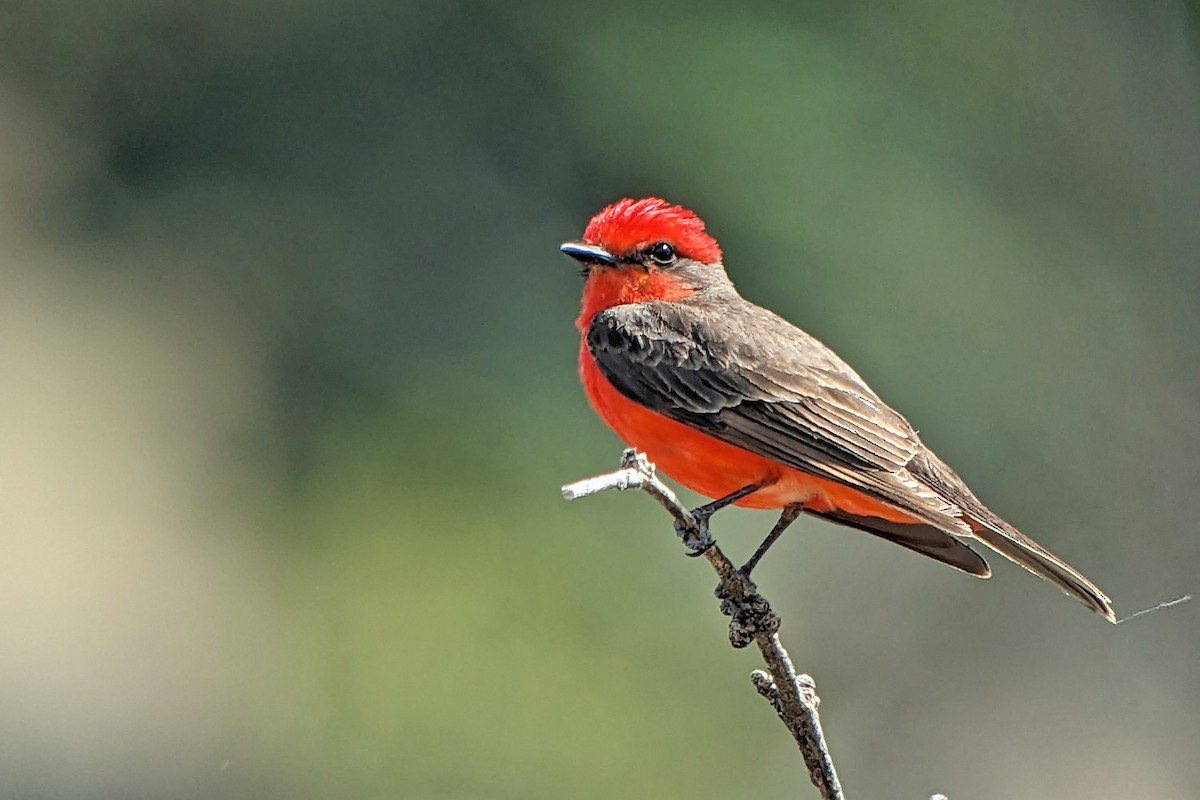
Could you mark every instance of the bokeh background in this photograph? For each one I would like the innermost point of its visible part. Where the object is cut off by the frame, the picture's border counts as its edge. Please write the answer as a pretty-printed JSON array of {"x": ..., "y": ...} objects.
[{"x": 289, "y": 390}]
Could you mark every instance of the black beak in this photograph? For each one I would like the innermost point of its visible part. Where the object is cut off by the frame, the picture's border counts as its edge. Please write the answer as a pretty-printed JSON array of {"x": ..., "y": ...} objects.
[{"x": 587, "y": 254}]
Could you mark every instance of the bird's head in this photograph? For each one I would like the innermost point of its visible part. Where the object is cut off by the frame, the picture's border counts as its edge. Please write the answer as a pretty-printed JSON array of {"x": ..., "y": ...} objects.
[{"x": 634, "y": 251}]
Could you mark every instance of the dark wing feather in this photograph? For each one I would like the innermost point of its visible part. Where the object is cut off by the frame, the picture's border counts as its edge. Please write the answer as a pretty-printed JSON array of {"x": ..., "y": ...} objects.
[{"x": 747, "y": 377}]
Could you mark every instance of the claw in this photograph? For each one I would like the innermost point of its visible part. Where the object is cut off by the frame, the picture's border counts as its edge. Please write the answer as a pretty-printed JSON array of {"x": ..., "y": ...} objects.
[{"x": 699, "y": 540}]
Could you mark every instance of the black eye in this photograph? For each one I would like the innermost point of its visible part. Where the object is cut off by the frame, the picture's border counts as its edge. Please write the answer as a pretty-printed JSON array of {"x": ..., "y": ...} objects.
[{"x": 662, "y": 253}]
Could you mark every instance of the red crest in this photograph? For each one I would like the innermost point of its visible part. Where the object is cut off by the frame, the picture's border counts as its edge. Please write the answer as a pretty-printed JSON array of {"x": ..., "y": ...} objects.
[{"x": 629, "y": 225}]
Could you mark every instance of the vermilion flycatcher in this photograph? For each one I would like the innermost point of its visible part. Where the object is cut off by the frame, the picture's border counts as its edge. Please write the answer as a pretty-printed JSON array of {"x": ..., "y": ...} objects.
[{"x": 738, "y": 404}]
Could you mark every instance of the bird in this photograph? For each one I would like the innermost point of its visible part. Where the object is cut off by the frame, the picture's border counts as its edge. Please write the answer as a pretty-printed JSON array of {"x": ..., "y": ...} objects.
[{"x": 738, "y": 404}]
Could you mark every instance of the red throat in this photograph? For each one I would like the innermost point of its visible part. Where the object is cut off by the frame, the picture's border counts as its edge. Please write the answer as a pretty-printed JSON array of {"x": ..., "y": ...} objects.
[{"x": 617, "y": 286}]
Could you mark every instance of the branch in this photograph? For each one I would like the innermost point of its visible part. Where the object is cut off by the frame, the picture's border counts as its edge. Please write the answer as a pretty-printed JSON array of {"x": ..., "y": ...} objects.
[{"x": 794, "y": 697}]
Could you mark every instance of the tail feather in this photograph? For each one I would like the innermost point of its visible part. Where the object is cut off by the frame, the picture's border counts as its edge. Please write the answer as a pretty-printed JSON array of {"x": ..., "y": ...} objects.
[
  {"x": 921, "y": 538},
  {"x": 1006, "y": 540},
  {"x": 1020, "y": 549}
]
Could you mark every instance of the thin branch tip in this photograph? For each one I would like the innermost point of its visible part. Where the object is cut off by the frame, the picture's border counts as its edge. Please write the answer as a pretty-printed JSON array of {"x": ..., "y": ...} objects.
[{"x": 1160, "y": 607}]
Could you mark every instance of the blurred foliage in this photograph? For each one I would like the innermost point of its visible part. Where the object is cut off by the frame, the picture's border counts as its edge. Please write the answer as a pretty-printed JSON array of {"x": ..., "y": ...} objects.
[{"x": 290, "y": 388}]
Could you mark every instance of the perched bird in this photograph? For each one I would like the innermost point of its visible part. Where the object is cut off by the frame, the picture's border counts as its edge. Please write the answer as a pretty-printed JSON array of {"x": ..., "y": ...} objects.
[{"x": 738, "y": 404}]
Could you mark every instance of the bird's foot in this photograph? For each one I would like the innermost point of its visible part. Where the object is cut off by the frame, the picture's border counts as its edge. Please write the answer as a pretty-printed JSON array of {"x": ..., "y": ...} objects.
[
  {"x": 697, "y": 539},
  {"x": 749, "y": 612}
]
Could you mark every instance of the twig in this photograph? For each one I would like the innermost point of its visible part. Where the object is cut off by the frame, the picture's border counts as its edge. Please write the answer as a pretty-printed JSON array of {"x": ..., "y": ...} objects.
[{"x": 794, "y": 697}]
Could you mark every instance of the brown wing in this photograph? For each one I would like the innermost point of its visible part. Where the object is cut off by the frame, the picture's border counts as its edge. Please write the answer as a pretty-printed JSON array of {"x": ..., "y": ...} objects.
[{"x": 747, "y": 377}]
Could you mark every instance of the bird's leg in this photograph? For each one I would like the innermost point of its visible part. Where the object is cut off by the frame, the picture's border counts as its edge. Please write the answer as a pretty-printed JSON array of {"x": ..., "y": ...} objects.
[
  {"x": 705, "y": 511},
  {"x": 699, "y": 540},
  {"x": 789, "y": 515}
]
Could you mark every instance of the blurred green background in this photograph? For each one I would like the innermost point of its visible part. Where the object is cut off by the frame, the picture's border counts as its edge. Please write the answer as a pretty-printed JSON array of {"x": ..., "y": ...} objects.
[{"x": 289, "y": 390}]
